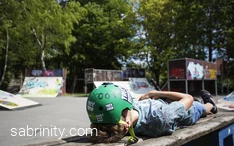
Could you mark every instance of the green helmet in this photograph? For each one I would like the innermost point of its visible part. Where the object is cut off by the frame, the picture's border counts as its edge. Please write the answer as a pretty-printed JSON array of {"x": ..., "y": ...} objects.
[{"x": 106, "y": 102}]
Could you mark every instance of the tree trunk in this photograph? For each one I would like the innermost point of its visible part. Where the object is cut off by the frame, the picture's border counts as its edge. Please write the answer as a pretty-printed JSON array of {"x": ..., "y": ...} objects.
[
  {"x": 42, "y": 60},
  {"x": 43, "y": 40},
  {"x": 6, "y": 57},
  {"x": 155, "y": 75},
  {"x": 42, "y": 46},
  {"x": 210, "y": 47}
]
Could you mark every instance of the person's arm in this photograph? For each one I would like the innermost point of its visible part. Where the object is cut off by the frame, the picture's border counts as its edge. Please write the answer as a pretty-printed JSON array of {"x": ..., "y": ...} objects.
[{"x": 185, "y": 99}]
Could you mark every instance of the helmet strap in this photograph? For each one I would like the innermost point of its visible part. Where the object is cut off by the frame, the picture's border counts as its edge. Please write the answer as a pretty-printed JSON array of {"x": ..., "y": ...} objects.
[{"x": 132, "y": 138}]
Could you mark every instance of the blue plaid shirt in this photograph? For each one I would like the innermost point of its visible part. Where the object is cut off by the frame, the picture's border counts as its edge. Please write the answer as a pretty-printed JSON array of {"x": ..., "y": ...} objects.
[{"x": 159, "y": 118}]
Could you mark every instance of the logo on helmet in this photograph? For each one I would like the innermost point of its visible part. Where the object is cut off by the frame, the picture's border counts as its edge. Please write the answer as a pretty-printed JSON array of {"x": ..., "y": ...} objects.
[
  {"x": 92, "y": 116},
  {"x": 109, "y": 107},
  {"x": 125, "y": 95},
  {"x": 99, "y": 117},
  {"x": 90, "y": 105}
]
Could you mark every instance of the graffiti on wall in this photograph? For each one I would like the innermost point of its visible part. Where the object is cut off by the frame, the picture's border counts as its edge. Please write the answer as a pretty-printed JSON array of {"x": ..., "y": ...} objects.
[
  {"x": 11, "y": 101},
  {"x": 177, "y": 73},
  {"x": 195, "y": 70},
  {"x": 52, "y": 73},
  {"x": 102, "y": 75},
  {"x": 191, "y": 69},
  {"x": 39, "y": 73},
  {"x": 209, "y": 70},
  {"x": 135, "y": 86},
  {"x": 5, "y": 97},
  {"x": 139, "y": 83},
  {"x": 176, "y": 69},
  {"x": 133, "y": 73},
  {"x": 212, "y": 74},
  {"x": 42, "y": 87}
]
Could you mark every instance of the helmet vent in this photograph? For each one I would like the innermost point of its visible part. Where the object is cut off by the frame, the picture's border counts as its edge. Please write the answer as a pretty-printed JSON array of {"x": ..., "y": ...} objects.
[
  {"x": 100, "y": 108},
  {"x": 107, "y": 83}
]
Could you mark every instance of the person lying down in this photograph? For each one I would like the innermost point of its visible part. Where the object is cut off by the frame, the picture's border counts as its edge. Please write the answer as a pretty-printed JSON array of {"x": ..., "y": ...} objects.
[{"x": 113, "y": 112}]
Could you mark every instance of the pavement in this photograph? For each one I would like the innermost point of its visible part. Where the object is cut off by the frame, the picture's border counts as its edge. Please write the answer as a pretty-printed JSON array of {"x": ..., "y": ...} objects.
[{"x": 56, "y": 118}]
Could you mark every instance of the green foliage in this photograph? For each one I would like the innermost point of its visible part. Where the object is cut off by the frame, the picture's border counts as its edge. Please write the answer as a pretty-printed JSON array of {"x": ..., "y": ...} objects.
[
  {"x": 109, "y": 33},
  {"x": 8, "y": 31},
  {"x": 36, "y": 27},
  {"x": 103, "y": 36},
  {"x": 51, "y": 25},
  {"x": 157, "y": 22},
  {"x": 184, "y": 29}
]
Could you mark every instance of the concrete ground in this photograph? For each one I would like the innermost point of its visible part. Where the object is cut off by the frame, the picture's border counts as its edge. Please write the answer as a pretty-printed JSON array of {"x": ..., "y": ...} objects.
[
  {"x": 55, "y": 118},
  {"x": 42, "y": 123}
]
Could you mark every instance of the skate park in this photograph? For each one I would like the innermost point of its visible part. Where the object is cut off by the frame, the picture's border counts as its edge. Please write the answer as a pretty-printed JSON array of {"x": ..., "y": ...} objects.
[
  {"x": 57, "y": 111},
  {"x": 53, "y": 53},
  {"x": 37, "y": 83}
]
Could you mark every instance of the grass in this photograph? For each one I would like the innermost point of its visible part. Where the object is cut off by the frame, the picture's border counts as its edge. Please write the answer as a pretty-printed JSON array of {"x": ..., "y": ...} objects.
[{"x": 77, "y": 94}]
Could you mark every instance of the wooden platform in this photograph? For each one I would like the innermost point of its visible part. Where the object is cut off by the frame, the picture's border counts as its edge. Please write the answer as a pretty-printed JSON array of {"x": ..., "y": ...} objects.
[{"x": 205, "y": 126}]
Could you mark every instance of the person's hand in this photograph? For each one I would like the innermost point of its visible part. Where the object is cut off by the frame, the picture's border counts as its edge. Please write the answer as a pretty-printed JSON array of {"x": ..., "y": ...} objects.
[
  {"x": 149, "y": 95},
  {"x": 145, "y": 96}
]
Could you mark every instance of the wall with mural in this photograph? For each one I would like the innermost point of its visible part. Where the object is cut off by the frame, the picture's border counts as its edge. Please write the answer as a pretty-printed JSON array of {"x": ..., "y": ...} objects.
[
  {"x": 92, "y": 75},
  {"x": 191, "y": 69},
  {"x": 47, "y": 73},
  {"x": 191, "y": 75},
  {"x": 135, "y": 86},
  {"x": 39, "y": 83},
  {"x": 133, "y": 73},
  {"x": 41, "y": 87},
  {"x": 176, "y": 69}
]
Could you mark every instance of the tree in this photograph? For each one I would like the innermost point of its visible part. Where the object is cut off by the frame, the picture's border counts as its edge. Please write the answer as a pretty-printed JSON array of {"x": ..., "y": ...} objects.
[
  {"x": 51, "y": 25},
  {"x": 7, "y": 29},
  {"x": 156, "y": 19},
  {"x": 104, "y": 37}
]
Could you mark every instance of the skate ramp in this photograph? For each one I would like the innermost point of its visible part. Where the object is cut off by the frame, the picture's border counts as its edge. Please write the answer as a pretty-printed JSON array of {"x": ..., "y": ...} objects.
[
  {"x": 136, "y": 86},
  {"x": 11, "y": 101},
  {"x": 227, "y": 102},
  {"x": 41, "y": 87}
]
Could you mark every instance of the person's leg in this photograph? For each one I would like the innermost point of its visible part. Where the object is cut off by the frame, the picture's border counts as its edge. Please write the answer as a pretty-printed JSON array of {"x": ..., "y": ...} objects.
[
  {"x": 207, "y": 99},
  {"x": 208, "y": 107},
  {"x": 199, "y": 110}
]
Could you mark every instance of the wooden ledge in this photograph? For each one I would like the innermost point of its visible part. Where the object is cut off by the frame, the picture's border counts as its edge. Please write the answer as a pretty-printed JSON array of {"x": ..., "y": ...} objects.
[{"x": 181, "y": 136}]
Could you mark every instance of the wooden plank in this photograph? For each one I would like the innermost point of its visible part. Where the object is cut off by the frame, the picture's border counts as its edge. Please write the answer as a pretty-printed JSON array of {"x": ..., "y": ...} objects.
[{"x": 181, "y": 136}]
